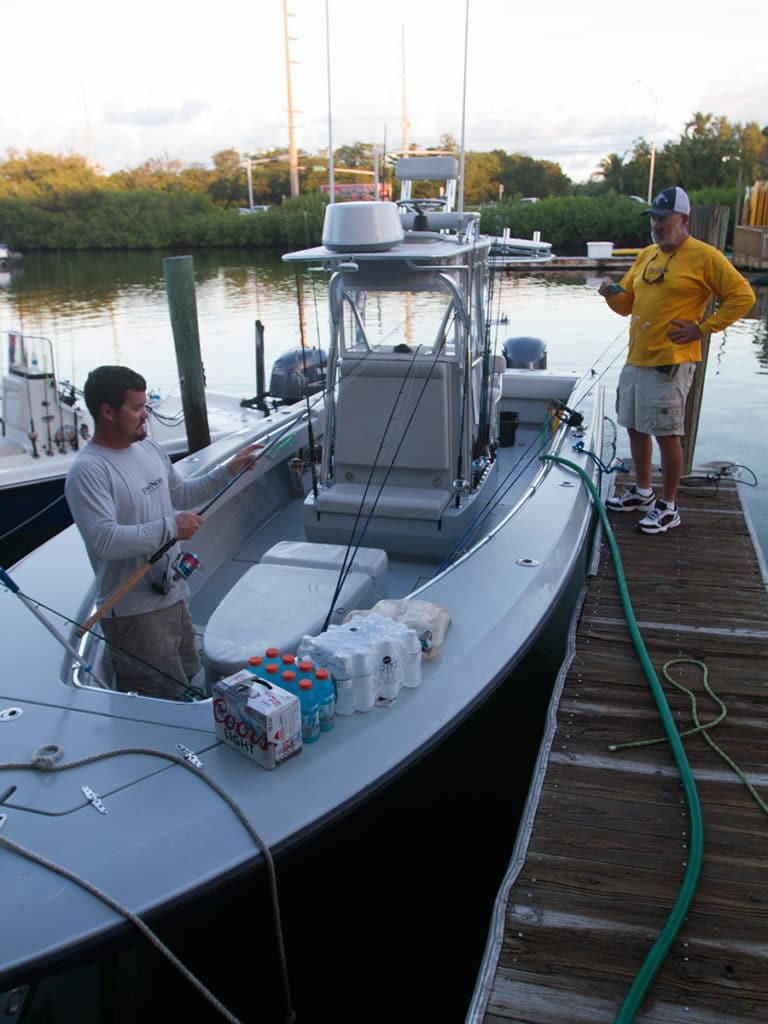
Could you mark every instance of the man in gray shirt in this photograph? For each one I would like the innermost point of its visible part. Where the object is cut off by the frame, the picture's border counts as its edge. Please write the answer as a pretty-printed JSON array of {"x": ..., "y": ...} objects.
[{"x": 124, "y": 493}]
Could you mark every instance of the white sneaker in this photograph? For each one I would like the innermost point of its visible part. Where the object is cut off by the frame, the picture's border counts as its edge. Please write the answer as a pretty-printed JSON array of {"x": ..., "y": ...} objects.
[{"x": 660, "y": 519}]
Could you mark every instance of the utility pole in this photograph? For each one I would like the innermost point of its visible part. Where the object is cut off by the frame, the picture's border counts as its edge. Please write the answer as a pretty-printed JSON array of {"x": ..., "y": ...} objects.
[{"x": 292, "y": 157}]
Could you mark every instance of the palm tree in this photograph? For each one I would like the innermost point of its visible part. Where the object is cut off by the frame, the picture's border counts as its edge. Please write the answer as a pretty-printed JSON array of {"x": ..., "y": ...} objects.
[{"x": 611, "y": 170}]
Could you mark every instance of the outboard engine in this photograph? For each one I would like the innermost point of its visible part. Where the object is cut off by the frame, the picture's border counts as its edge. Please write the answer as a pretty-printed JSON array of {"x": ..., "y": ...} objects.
[
  {"x": 525, "y": 354},
  {"x": 298, "y": 373}
]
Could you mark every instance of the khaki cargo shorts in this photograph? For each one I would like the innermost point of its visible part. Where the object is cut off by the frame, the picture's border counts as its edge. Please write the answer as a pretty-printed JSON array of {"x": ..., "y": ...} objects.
[
  {"x": 153, "y": 654},
  {"x": 651, "y": 399}
]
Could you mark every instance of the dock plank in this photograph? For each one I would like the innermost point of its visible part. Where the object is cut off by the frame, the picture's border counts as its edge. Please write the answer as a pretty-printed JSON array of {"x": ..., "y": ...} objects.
[{"x": 596, "y": 875}]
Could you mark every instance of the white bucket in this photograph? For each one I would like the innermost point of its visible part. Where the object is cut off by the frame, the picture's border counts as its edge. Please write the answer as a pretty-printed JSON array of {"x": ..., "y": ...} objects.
[{"x": 599, "y": 250}]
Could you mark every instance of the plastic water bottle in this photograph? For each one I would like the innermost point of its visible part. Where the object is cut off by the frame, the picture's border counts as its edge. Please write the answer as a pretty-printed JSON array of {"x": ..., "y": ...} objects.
[
  {"x": 310, "y": 711},
  {"x": 326, "y": 697},
  {"x": 256, "y": 664}
]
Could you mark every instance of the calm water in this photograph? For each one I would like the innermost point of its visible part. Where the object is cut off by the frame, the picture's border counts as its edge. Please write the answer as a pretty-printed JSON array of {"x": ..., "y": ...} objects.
[{"x": 113, "y": 308}]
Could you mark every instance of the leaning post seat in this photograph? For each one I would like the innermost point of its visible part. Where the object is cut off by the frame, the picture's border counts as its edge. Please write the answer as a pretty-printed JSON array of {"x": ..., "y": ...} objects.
[{"x": 396, "y": 427}]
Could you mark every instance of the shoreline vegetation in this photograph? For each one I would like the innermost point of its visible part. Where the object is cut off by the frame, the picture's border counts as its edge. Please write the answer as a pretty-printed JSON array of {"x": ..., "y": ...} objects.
[
  {"x": 145, "y": 220},
  {"x": 56, "y": 202}
]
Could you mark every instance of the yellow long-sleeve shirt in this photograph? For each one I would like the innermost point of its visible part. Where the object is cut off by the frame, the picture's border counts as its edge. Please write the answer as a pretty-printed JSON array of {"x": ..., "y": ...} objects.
[{"x": 687, "y": 279}]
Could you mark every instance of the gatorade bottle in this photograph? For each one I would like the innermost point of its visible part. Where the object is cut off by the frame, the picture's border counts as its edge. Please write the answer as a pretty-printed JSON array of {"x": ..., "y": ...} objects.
[
  {"x": 326, "y": 697},
  {"x": 272, "y": 654},
  {"x": 288, "y": 681},
  {"x": 271, "y": 673},
  {"x": 256, "y": 664},
  {"x": 310, "y": 711}
]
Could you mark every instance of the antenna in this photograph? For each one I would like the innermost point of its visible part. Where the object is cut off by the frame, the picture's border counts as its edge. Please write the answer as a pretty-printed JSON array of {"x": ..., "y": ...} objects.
[
  {"x": 293, "y": 160},
  {"x": 463, "y": 113},
  {"x": 331, "y": 185}
]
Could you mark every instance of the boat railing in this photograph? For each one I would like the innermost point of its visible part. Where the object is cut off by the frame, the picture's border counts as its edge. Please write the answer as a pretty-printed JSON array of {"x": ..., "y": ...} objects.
[{"x": 29, "y": 355}]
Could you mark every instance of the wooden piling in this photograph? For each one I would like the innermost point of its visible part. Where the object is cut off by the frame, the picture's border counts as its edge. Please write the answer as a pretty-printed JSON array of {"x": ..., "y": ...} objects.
[
  {"x": 709, "y": 224},
  {"x": 182, "y": 306}
]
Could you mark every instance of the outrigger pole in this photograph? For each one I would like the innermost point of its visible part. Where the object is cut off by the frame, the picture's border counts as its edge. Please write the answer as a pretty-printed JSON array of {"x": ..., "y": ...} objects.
[{"x": 142, "y": 571}]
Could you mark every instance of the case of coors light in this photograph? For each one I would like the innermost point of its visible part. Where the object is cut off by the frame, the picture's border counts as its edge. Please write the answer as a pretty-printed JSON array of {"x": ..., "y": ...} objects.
[{"x": 260, "y": 720}]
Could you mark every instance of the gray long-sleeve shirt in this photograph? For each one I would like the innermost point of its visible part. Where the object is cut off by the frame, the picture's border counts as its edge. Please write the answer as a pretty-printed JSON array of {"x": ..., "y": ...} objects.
[{"x": 123, "y": 501}]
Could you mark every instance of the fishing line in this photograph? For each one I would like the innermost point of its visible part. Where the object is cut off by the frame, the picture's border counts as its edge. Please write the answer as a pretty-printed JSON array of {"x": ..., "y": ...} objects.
[
  {"x": 310, "y": 432},
  {"x": 186, "y": 686},
  {"x": 527, "y": 456},
  {"x": 347, "y": 563},
  {"x": 30, "y": 519}
]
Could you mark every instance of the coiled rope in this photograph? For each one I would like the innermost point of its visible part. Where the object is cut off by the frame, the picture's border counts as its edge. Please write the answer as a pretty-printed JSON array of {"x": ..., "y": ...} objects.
[
  {"x": 48, "y": 758},
  {"x": 699, "y": 727}
]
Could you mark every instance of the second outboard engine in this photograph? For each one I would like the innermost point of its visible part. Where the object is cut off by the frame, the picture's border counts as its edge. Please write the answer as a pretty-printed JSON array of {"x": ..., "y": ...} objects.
[
  {"x": 525, "y": 354},
  {"x": 288, "y": 381}
]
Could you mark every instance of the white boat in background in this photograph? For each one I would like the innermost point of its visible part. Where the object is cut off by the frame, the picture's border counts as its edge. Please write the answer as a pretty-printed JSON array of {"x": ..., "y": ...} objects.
[
  {"x": 45, "y": 422},
  {"x": 438, "y": 512},
  {"x": 9, "y": 259}
]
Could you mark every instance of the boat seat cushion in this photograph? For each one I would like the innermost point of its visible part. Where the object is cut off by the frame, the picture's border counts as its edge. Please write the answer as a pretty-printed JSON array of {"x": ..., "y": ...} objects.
[
  {"x": 275, "y": 606},
  {"x": 371, "y": 561},
  {"x": 398, "y": 502},
  {"x": 397, "y": 416}
]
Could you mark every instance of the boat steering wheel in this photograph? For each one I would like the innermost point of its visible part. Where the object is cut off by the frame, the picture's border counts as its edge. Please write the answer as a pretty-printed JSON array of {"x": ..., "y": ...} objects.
[{"x": 418, "y": 207}]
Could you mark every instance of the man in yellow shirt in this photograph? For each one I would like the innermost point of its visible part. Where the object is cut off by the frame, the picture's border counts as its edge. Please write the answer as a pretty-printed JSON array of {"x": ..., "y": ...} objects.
[{"x": 666, "y": 292}]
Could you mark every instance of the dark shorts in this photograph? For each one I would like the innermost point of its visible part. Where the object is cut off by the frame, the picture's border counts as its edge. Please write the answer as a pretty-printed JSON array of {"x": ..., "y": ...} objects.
[
  {"x": 155, "y": 653},
  {"x": 651, "y": 399}
]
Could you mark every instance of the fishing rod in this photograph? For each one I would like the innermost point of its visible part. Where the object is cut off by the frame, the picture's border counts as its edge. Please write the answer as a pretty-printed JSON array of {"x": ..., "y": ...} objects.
[
  {"x": 310, "y": 432},
  {"x": 6, "y": 580},
  {"x": 32, "y": 433},
  {"x": 185, "y": 568}
]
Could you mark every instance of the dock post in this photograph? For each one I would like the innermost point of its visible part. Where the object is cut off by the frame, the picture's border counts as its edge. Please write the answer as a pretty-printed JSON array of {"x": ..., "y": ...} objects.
[
  {"x": 182, "y": 305},
  {"x": 708, "y": 224}
]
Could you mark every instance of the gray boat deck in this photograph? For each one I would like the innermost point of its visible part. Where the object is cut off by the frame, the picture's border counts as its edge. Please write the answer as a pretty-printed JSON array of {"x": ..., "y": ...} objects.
[{"x": 602, "y": 852}]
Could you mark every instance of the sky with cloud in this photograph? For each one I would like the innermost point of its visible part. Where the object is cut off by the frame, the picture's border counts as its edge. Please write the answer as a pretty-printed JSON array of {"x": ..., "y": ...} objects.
[{"x": 560, "y": 81}]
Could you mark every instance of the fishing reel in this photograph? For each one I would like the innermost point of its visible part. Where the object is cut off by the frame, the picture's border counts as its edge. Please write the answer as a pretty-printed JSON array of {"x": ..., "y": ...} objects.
[
  {"x": 184, "y": 564},
  {"x": 559, "y": 413}
]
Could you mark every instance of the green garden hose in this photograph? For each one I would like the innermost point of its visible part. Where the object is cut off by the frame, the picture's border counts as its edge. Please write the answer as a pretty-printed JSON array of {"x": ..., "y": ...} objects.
[{"x": 661, "y": 946}]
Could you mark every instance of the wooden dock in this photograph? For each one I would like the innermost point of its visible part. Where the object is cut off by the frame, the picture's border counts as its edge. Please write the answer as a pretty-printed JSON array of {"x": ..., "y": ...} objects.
[{"x": 604, "y": 843}]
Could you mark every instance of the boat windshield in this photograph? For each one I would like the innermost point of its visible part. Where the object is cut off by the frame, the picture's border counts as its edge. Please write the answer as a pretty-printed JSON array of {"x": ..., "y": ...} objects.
[{"x": 388, "y": 321}]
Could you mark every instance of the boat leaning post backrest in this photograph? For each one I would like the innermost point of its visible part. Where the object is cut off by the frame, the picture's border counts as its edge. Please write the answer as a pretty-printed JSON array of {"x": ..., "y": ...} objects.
[
  {"x": 396, "y": 443},
  {"x": 428, "y": 168}
]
